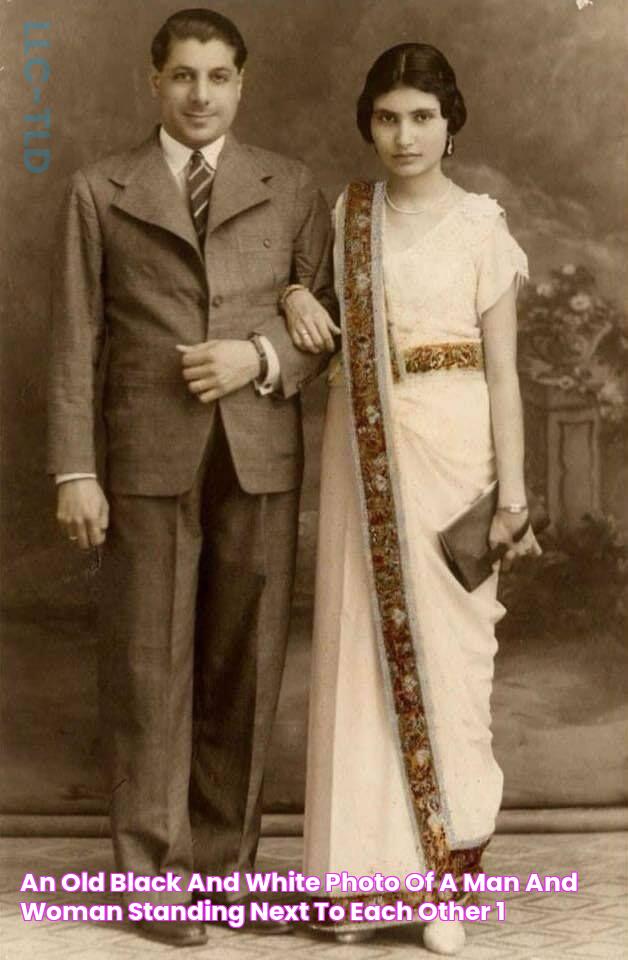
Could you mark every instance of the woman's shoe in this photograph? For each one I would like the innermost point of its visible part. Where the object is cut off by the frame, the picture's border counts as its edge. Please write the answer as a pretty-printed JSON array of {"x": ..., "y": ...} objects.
[
  {"x": 446, "y": 937},
  {"x": 354, "y": 936}
]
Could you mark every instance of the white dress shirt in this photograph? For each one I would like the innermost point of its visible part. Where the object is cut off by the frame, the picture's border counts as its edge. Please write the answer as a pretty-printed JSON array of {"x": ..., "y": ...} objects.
[{"x": 177, "y": 156}]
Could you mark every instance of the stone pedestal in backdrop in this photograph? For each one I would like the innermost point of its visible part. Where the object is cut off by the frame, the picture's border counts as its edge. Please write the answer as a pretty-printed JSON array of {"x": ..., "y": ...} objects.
[{"x": 562, "y": 451}]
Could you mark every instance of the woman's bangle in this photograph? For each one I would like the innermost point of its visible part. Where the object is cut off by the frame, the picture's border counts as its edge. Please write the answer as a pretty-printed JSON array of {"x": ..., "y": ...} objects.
[
  {"x": 286, "y": 293},
  {"x": 514, "y": 508}
]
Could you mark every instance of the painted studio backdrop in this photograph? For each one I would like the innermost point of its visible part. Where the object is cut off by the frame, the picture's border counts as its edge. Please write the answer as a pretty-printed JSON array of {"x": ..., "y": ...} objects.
[{"x": 545, "y": 136}]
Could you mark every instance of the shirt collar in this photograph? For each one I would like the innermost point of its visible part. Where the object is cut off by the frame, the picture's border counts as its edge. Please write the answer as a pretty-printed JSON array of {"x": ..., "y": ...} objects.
[{"x": 177, "y": 155}]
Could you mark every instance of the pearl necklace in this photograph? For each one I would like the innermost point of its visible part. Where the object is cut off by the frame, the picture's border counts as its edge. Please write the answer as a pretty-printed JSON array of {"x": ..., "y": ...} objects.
[{"x": 416, "y": 210}]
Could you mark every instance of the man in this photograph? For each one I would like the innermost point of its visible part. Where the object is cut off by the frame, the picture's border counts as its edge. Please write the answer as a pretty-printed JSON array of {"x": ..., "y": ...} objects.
[{"x": 176, "y": 254}]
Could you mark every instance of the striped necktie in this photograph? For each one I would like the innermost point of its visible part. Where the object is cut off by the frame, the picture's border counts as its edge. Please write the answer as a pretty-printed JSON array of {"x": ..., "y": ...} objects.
[{"x": 200, "y": 176}]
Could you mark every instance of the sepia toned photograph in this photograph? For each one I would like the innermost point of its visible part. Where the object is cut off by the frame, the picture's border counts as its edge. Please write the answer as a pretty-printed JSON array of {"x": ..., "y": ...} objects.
[{"x": 314, "y": 456}]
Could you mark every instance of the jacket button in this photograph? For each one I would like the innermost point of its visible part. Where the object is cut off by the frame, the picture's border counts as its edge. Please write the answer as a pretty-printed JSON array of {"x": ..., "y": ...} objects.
[
  {"x": 217, "y": 300},
  {"x": 267, "y": 243}
]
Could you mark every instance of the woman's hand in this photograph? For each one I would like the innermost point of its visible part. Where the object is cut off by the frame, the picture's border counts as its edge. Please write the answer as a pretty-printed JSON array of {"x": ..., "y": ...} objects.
[
  {"x": 504, "y": 527},
  {"x": 309, "y": 324}
]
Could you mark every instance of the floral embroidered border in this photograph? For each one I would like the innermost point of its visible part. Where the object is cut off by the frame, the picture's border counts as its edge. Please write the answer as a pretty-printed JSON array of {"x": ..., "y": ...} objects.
[
  {"x": 411, "y": 899},
  {"x": 382, "y": 535}
]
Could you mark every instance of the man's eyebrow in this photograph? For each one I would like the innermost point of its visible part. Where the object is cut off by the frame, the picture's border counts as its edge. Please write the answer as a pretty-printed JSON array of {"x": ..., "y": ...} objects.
[{"x": 185, "y": 66}]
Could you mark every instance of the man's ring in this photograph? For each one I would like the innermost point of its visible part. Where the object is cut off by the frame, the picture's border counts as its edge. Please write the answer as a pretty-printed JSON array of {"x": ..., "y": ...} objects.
[{"x": 73, "y": 538}]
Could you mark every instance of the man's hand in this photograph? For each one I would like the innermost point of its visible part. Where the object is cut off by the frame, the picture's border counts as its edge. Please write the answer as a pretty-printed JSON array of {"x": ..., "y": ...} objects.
[
  {"x": 218, "y": 367},
  {"x": 83, "y": 512},
  {"x": 309, "y": 324}
]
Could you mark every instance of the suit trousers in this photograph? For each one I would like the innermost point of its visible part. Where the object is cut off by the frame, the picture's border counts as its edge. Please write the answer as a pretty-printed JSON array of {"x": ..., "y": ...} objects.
[{"x": 196, "y": 594}]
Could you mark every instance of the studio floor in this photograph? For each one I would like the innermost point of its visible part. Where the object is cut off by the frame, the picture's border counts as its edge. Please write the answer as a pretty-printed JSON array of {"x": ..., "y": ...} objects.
[{"x": 592, "y": 923}]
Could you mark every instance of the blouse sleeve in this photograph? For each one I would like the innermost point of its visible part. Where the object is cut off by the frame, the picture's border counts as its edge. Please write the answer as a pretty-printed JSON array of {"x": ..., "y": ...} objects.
[{"x": 501, "y": 260}]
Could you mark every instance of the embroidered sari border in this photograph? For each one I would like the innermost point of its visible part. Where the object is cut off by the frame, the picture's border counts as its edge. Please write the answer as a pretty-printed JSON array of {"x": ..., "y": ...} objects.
[
  {"x": 340, "y": 259},
  {"x": 465, "y": 862},
  {"x": 369, "y": 366}
]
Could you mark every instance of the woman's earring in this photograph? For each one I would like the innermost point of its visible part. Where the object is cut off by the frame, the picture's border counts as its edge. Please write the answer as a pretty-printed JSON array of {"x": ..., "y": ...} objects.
[{"x": 449, "y": 149}]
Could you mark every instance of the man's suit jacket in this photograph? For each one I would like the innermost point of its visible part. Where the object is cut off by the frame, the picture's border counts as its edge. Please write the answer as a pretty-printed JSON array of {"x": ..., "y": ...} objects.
[{"x": 129, "y": 271}]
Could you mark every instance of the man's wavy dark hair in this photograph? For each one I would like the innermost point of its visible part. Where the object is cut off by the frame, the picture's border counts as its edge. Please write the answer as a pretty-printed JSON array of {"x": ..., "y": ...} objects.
[{"x": 197, "y": 24}]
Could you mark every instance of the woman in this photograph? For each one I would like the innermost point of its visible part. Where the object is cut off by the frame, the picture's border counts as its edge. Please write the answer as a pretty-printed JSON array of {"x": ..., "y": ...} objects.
[{"x": 424, "y": 413}]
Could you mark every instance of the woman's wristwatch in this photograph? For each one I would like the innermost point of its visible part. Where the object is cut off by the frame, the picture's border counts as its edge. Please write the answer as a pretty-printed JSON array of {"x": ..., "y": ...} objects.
[{"x": 513, "y": 508}]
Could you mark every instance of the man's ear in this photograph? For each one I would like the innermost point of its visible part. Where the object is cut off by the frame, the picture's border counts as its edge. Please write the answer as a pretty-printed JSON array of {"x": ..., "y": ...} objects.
[
  {"x": 240, "y": 82},
  {"x": 153, "y": 80}
]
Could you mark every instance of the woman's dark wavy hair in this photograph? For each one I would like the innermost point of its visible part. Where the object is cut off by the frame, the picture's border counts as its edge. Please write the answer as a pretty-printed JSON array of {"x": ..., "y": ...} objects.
[
  {"x": 197, "y": 24},
  {"x": 417, "y": 65}
]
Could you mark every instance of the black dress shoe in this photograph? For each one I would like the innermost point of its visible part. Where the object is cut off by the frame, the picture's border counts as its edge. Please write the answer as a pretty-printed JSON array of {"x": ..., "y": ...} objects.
[
  {"x": 268, "y": 927},
  {"x": 176, "y": 933}
]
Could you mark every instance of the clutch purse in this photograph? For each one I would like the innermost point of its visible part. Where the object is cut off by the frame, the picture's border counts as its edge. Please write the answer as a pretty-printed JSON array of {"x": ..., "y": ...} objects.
[{"x": 464, "y": 540}]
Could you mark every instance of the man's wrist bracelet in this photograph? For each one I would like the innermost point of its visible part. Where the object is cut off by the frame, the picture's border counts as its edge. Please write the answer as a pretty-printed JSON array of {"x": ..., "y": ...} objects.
[
  {"x": 514, "y": 508},
  {"x": 263, "y": 359},
  {"x": 286, "y": 293}
]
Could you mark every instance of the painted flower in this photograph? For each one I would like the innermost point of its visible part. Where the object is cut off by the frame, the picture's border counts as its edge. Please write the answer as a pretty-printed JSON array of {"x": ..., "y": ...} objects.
[
  {"x": 435, "y": 823},
  {"x": 380, "y": 483},
  {"x": 398, "y": 616},
  {"x": 409, "y": 685},
  {"x": 422, "y": 758},
  {"x": 611, "y": 394},
  {"x": 362, "y": 282},
  {"x": 372, "y": 414},
  {"x": 573, "y": 339},
  {"x": 581, "y": 301}
]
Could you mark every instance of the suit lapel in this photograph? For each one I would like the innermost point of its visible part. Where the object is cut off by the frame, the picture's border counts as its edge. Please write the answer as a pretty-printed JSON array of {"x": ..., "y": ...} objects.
[
  {"x": 238, "y": 184},
  {"x": 150, "y": 193}
]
